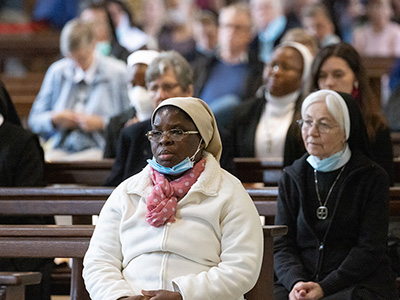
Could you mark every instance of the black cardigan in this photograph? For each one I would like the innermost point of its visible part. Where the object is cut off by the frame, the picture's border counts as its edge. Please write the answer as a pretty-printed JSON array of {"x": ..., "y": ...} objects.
[{"x": 353, "y": 250}]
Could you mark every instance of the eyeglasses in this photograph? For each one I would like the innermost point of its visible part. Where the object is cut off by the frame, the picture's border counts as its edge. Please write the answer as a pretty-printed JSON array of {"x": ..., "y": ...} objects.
[
  {"x": 235, "y": 27},
  {"x": 175, "y": 134},
  {"x": 275, "y": 66},
  {"x": 166, "y": 87},
  {"x": 321, "y": 126}
]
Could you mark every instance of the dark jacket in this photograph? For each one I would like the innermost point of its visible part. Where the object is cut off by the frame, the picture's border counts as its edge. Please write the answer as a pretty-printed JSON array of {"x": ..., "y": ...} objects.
[
  {"x": 113, "y": 131},
  {"x": 351, "y": 250},
  {"x": 22, "y": 165},
  {"x": 203, "y": 65},
  {"x": 132, "y": 152},
  {"x": 245, "y": 122}
]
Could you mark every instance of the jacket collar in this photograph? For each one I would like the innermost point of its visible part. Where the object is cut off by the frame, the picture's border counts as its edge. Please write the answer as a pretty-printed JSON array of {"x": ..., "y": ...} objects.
[{"x": 99, "y": 73}]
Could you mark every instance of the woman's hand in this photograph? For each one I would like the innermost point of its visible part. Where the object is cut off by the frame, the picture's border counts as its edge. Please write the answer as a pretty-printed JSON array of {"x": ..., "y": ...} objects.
[
  {"x": 66, "y": 119},
  {"x": 90, "y": 123},
  {"x": 162, "y": 295},
  {"x": 306, "y": 291},
  {"x": 155, "y": 295}
]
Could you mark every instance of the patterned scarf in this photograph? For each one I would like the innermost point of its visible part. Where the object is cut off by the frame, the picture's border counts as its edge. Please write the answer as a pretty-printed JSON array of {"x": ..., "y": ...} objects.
[{"x": 163, "y": 199}]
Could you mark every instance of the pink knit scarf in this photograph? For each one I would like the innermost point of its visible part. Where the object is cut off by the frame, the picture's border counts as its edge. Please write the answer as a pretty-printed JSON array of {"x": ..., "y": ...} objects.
[{"x": 163, "y": 199}]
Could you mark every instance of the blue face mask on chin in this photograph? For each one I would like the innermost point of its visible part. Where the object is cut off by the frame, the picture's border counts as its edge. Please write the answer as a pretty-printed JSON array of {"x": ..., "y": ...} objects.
[{"x": 181, "y": 167}]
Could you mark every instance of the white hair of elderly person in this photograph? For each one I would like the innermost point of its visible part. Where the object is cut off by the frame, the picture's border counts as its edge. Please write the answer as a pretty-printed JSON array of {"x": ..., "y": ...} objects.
[{"x": 182, "y": 228}]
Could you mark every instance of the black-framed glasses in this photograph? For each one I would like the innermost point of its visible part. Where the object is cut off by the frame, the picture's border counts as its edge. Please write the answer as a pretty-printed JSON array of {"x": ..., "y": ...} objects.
[
  {"x": 175, "y": 134},
  {"x": 322, "y": 127}
]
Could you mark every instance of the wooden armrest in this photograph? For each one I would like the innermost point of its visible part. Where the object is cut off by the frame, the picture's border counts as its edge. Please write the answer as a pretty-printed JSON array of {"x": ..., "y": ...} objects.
[
  {"x": 20, "y": 278},
  {"x": 274, "y": 230}
]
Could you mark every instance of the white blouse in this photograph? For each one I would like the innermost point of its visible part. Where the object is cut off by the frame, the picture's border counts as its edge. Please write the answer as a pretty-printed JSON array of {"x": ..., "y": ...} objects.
[{"x": 273, "y": 125}]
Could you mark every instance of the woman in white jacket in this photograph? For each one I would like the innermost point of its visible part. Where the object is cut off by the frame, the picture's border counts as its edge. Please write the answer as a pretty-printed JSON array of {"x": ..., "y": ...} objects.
[{"x": 183, "y": 228}]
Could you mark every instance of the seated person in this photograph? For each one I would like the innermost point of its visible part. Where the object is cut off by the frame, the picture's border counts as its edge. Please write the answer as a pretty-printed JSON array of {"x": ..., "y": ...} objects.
[
  {"x": 339, "y": 67},
  {"x": 317, "y": 20},
  {"x": 168, "y": 75},
  {"x": 260, "y": 125},
  {"x": 78, "y": 96},
  {"x": 22, "y": 165},
  {"x": 234, "y": 73},
  {"x": 141, "y": 103},
  {"x": 183, "y": 228},
  {"x": 301, "y": 36},
  {"x": 335, "y": 202},
  {"x": 380, "y": 36},
  {"x": 127, "y": 32},
  {"x": 106, "y": 35},
  {"x": 205, "y": 33},
  {"x": 271, "y": 24}
]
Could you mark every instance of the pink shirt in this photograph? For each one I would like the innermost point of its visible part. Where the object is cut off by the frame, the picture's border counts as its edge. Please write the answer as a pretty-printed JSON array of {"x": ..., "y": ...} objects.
[{"x": 370, "y": 43}]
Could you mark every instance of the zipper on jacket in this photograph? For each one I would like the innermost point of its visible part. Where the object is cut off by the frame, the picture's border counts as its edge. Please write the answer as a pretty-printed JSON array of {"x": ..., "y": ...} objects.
[
  {"x": 164, "y": 262},
  {"x": 320, "y": 254},
  {"x": 165, "y": 235}
]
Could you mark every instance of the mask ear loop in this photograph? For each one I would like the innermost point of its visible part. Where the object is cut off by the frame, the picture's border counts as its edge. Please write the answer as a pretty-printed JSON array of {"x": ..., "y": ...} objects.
[{"x": 197, "y": 151}]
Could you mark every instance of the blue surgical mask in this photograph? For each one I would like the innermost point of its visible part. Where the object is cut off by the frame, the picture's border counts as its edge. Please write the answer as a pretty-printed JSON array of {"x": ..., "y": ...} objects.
[
  {"x": 333, "y": 162},
  {"x": 183, "y": 166},
  {"x": 104, "y": 48}
]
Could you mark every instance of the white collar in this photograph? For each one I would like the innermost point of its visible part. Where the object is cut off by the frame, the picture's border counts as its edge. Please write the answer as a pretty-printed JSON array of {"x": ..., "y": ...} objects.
[
  {"x": 1, "y": 119},
  {"x": 283, "y": 100},
  {"x": 88, "y": 75}
]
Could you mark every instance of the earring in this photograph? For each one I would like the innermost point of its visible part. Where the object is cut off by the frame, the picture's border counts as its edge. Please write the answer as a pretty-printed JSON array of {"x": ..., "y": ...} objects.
[{"x": 356, "y": 92}]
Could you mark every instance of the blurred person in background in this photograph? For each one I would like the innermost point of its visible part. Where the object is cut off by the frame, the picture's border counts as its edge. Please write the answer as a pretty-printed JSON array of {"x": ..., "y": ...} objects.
[
  {"x": 261, "y": 126},
  {"x": 339, "y": 67},
  {"x": 271, "y": 24},
  {"x": 316, "y": 19},
  {"x": 234, "y": 73},
  {"x": 142, "y": 105},
  {"x": 78, "y": 95},
  {"x": 177, "y": 30},
  {"x": 107, "y": 41},
  {"x": 379, "y": 36},
  {"x": 128, "y": 34},
  {"x": 205, "y": 33}
]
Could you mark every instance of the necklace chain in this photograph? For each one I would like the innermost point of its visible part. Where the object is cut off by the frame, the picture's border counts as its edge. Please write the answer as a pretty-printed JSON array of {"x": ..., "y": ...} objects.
[{"x": 322, "y": 210}]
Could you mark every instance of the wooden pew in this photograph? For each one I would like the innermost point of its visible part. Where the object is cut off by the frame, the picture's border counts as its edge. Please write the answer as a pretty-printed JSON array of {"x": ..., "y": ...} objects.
[
  {"x": 23, "y": 91},
  {"x": 73, "y": 241},
  {"x": 80, "y": 203},
  {"x": 50, "y": 241},
  {"x": 395, "y": 136},
  {"x": 253, "y": 170},
  {"x": 84, "y": 202},
  {"x": 37, "y": 50},
  {"x": 12, "y": 284},
  {"x": 92, "y": 173},
  {"x": 376, "y": 68},
  {"x": 91, "y": 199}
]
